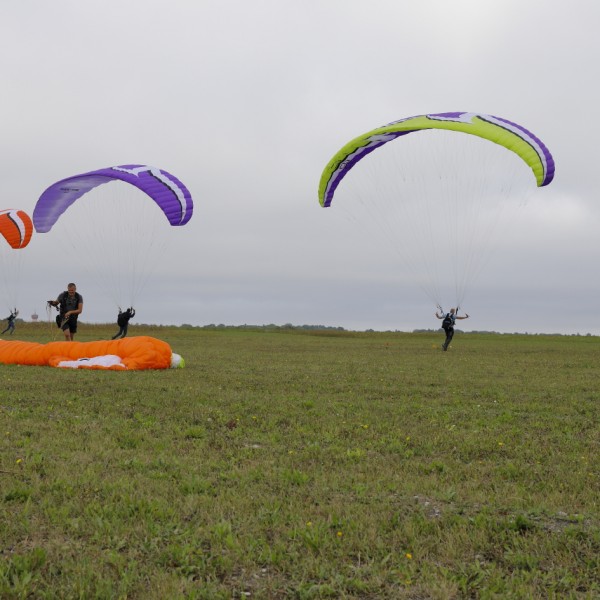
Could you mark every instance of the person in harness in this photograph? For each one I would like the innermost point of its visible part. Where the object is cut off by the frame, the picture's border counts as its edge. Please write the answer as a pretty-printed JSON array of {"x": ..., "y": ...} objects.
[
  {"x": 10, "y": 321},
  {"x": 69, "y": 305},
  {"x": 448, "y": 324},
  {"x": 123, "y": 322}
]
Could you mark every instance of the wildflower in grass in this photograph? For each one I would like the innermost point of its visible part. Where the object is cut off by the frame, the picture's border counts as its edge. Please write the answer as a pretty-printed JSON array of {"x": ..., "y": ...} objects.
[
  {"x": 500, "y": 444},
  {"x": 408, "y": 555},
  {"x": 19, "y": 461},
  {"x": 309, "y": 523},
  {"x": 340, "y": 534},
  {"x": 365, "y": 426},
  {"x": 355, "y": 454}
]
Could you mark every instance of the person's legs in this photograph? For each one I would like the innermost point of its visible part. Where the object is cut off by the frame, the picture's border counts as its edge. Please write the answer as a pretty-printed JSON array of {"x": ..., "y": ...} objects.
[
  {"x": 121, "y": 333},
  {"x": 449, "y": 336},
  {"x": 69, "y": 329}
]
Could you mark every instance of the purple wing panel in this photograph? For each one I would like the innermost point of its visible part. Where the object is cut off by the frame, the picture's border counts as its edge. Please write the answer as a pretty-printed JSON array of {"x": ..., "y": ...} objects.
[{"x": 173, "y": 198}]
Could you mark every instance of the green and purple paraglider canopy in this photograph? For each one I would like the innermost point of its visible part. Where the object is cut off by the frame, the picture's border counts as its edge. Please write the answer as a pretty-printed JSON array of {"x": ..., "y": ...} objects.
[{"x": 501, "y": 131}]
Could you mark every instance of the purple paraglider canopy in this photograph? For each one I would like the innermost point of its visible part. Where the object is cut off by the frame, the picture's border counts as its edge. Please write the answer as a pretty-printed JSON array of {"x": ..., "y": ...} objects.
[{"x": 173, "y": 198}]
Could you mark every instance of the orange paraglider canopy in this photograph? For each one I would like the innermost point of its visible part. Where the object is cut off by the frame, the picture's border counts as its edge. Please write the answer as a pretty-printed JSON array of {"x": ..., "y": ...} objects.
[
  {"x": 16, "y": 227},
  {"x": 134, "y": 353}
]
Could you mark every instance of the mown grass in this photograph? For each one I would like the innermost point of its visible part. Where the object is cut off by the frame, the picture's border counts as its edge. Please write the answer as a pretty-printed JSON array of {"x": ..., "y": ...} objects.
[{"x": 291, "y": 464}]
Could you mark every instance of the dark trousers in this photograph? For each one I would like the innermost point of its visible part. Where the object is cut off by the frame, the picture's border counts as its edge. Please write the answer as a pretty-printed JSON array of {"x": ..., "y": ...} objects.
[
  {"x": 122, "y": 332},
  {"x": 449, "y": 335}
]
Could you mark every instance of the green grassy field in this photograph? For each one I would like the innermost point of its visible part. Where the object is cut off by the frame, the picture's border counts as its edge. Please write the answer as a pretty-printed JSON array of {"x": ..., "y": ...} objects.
[{"x": 293, "y": 464}]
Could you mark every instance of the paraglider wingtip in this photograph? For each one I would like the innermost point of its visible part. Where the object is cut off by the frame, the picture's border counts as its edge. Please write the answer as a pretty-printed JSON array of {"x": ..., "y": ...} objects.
[{"x": 177, "y": 361}]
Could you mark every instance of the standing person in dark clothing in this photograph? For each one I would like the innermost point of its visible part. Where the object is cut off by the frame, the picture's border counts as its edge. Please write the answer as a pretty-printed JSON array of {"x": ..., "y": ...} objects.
[
  {"x": 448, "y": 324},
  {"x": 70, "y": 306},
  {"x": 123, "y": 322},
  {"x": 10, "y": 322}
]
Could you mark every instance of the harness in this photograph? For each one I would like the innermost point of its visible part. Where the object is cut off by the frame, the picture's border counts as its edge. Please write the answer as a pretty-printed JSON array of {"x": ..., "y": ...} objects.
[
  {"x": 64, "y": 297},
  {"x": 448, "y": 321}
]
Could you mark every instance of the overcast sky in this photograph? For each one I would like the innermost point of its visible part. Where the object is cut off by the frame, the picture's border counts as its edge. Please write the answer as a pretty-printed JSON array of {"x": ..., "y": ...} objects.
[{"x": 245, "y": 101}]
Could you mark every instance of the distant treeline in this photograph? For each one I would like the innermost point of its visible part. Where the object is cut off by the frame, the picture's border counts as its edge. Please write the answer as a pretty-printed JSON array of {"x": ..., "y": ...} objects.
[
  {"x": 271, "y": 326},
  {"x": 291, "y": 327}
]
